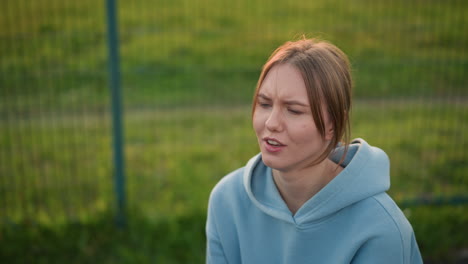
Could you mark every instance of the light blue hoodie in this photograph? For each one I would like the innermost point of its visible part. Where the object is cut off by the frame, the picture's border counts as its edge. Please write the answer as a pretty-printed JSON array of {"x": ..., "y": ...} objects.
[{"x": 351, "y": 220}]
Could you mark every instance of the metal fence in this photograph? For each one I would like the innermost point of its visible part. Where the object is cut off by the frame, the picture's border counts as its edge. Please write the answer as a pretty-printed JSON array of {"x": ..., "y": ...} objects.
[{"x": 188, "y": 70}]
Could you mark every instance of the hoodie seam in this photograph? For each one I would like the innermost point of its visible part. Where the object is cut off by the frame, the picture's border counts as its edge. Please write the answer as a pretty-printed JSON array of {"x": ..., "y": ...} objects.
[{"x": 396, "y": 226}]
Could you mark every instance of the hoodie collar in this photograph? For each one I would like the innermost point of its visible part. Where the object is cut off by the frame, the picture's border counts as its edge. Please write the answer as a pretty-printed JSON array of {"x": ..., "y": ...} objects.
[{"x": 366, "y": 173}]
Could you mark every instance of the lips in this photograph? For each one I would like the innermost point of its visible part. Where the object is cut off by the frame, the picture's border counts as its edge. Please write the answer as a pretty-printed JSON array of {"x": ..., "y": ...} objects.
[
  {"x": 273, "y": 141},
  {"x": 273, "y": 145}
]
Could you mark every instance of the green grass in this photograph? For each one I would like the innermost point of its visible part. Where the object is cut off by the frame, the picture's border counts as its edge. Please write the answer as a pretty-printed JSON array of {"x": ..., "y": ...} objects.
[
  {"x": 180, "y": 52},
  {"x": 167, "y": 150},
  {"x": 182, "y": 239},
  {"x": 188, "y": 72},
  {"x": 174, "y": 240},
  {"x": 174, "y": 158}
]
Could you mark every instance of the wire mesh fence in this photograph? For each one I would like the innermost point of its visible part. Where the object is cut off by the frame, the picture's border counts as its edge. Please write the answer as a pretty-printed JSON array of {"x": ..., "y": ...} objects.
[{"x": 188, "y": 71}]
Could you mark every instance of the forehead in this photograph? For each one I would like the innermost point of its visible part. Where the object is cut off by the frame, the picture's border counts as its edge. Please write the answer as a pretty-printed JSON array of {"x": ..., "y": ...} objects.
[{"x": 284, "y": 81}]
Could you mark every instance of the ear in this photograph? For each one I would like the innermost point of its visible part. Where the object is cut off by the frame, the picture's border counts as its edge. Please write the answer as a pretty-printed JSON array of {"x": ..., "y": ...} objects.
[{"x": 329, "y": 131}]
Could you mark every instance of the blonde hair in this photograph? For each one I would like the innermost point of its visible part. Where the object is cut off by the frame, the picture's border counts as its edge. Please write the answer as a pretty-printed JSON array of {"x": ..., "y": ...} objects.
[{"x": 326, "y": 73}]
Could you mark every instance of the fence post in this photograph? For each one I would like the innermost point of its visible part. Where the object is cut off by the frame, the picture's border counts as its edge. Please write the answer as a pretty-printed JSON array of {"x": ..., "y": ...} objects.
[{"x": 114, "y": 76}]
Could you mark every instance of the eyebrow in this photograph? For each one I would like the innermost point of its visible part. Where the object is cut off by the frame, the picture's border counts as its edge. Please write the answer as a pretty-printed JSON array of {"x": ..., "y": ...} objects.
[{"x": 288, "y": 102}]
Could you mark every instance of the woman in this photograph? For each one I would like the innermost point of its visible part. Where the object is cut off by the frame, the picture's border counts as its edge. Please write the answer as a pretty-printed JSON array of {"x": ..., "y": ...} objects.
[{"x": 310, "y": 196}]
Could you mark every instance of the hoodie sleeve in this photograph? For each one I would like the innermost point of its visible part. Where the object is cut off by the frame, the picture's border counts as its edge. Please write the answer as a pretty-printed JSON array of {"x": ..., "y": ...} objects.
[
  {"x": 388, "y": 250},
  {"x": 221, "y": 233},
  {"x": 214, "y": 248}
]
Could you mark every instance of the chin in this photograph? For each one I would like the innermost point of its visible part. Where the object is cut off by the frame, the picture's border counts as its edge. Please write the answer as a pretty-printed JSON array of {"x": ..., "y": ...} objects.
[{"x": 271, "y": 162}]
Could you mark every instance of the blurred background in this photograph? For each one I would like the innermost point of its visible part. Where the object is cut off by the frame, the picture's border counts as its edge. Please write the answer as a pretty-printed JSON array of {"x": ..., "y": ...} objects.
[{"x": 188, "y": 71}]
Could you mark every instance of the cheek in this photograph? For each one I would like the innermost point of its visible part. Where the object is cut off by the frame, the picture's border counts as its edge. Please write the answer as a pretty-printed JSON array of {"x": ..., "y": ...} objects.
[
  {"x": 257, "y": 122},
  {"x": 304, "y": 134}
]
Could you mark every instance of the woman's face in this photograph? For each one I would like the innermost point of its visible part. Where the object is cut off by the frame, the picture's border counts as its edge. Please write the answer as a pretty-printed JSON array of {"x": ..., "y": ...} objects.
[{"x": 283, "y": 121}]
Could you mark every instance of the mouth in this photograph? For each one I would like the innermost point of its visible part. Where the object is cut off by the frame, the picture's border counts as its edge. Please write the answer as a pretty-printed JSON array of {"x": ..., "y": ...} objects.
[
  {"x": 273, "y": 142},
  {"x": 273, "y": 145}
]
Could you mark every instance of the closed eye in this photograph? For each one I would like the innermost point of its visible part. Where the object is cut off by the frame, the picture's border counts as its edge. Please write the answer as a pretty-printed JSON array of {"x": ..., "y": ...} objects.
[
  {"x": 264, "y": 105},
  {"x": 295, "y": 112}
]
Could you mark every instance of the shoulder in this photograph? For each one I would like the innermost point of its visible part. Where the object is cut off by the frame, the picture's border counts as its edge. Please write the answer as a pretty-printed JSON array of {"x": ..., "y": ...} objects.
[
  {"x": 225, "y": 201},
  {"x": 228, "y": 188},
  {"x": 231, "y": 187},
  {"x": 384, "y": 216},
  {"x": 389, "y": 230},
  {"x": 393, "y": 215}
]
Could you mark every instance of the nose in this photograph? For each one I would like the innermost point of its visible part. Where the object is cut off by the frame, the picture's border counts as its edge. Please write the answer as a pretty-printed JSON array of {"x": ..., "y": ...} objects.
[{"x": 274, "y": 121}]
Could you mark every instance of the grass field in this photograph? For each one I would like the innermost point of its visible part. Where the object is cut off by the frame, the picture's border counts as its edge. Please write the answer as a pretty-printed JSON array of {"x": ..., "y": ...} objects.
[
  {"x": 180, "y": 149},
  {"x": 53, "y": 54},
  {"x": 188, "y": 73}
]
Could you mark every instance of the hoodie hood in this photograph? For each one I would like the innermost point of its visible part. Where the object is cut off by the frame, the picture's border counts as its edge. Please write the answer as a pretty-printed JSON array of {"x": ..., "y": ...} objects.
[{"x": 366, "y": 173}]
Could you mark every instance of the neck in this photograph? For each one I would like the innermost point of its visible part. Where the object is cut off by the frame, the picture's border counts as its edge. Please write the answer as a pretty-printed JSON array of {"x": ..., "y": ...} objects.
[{"x": 298, "y": 186}]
